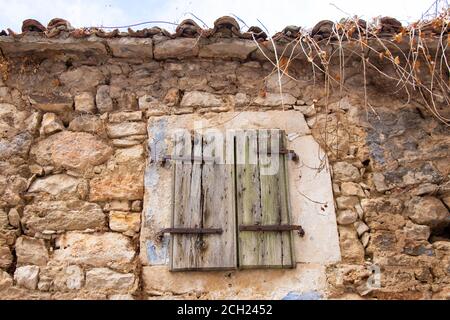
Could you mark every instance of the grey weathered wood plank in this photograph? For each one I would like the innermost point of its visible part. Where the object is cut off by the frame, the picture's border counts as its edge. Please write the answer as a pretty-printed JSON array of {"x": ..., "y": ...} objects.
[
  {"x": 271, "y": 202},
  {"x": 248, "y": 197},
  {"x": 203, "y": 198},
  {"x": 218, "y": 205},
  {"x": 187, "y": 202},
  {"x": 268, "y": 180},
  {"x": 287, "y": 241}
]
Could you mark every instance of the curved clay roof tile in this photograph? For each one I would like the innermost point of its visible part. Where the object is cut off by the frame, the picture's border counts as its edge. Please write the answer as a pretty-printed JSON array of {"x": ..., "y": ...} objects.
[
  {"x": 80, "y": 33},
  {"x": 57, "y": 23},
  {"x": 148, "y": 32},
  {"x": 31, "y": 25},
  {"x": 323, "y": 27},
  {"x": 102, "y": 34},
  {"x": 362, "y": 24},
  {"x": 188, "y": 28},
  {"x": 389, "y": 25},
  {"x": 227, "y": 26},
  {"x": 291, "y": 31},
  {"x": 255, "y": 32},
  {"x": 226, "y": 22}
]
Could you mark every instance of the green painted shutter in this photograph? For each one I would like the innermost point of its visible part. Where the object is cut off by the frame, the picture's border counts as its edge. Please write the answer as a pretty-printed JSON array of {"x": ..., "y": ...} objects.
[{"x": 262, "y": 199}]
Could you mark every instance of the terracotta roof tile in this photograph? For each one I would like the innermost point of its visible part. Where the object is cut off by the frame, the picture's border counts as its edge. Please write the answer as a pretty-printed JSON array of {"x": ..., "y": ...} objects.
[{"x": 226, "y": 27}]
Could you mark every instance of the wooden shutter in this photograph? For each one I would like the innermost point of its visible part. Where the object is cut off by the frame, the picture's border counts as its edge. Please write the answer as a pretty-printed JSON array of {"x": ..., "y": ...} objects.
[
  {"x": 262, "y": 199},
  {"x": 203, "y": 198}
]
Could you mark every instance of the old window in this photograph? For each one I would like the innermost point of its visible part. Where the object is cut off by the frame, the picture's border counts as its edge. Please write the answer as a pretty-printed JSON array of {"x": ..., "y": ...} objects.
[{"x": 230, "y": 201}]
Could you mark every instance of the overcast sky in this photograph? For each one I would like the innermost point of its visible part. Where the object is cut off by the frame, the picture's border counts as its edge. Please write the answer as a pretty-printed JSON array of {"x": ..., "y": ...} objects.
[{"x": 274, "y": 14}]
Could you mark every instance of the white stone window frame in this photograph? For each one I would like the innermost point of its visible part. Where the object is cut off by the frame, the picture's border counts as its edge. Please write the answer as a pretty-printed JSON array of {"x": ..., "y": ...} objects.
[{"x": 311, "y": 193}]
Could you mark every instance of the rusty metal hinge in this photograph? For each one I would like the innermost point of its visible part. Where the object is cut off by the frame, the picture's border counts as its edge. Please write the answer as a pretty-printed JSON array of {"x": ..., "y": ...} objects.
[
  {"x": 200, "y": 159},
  {"x": 189, "y": 231},
  {"x": 290, "y": 153},
  {"x": 275, "y": 227}
]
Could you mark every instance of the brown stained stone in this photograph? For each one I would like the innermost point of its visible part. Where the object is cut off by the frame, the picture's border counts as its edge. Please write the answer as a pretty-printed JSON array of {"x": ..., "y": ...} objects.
[
  {"x": 343, "y": 171},
  {"x": 172, "y": 97},
  {"x": 85, "y": 102},
  {"x": 71, "y": 150},
  {"x": 352, "y": 189},
  {"x": 31, "y": 251},
  {"x": 106, "y": 279},
  {"x": 56, "y": 104},
  {"x": 27, "y": 277},
  {"x": 51, "y": 124},
  {"x": 228, "y": 48},
  {"x": 82, "y": 79},
  {"x": 6, "y": 281},
  {"x": 109, "y": 249},
  {"x": 6, "y": 258},
  {"x": 352, "y": 250},
  {"x": 123, "y": 183},
  {"x": 126, "y": 222},
  {"x": 428, "y": 211},
  {"x": 103, "y": 99},
  {"x": 56, "y": 185},
  {"x": 201, "y": 99},
  {"x": 176, "y": 48},
  {"x": 346, "y": 217},
  {"x": 125, "y": 116},
  {"x": 87, "y": 123},
  {"x": 131, "y": 48},
  {"x": 125, "y": 129},
  {"x": 62, "y": 215}
]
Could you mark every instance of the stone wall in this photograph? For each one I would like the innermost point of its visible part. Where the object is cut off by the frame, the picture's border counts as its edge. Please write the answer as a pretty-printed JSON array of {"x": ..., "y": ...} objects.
[{"x": 73, "y": 153}]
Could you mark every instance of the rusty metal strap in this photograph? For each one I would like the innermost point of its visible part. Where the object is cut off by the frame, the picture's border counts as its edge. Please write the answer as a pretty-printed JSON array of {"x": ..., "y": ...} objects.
[
  {"x": 192, "y": 231},
  {"x": 276, "y": 227},
  {"x": 290, "y": 153},
  {"x": 282, "y": 151},
  {"x": 189, "y": 158}
]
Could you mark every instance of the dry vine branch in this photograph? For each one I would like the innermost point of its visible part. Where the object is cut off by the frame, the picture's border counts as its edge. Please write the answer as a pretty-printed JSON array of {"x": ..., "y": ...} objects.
[{"x": 407, "y": 73}]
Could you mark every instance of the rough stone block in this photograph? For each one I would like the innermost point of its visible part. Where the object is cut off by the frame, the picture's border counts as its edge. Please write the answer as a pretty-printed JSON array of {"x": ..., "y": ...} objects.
[
  {"x": 87, "y": 123},
  {"x": 275, "y": 100},
  {"x": 176, "y": 48},
  {"x": 201, "y": 99},
  {"x": 6, "y": 257},
  {"x": 71, "y": 150},
  {"x": 125, "y": 222},
  {"x": 112, "y": 250},
  {"x": 228, "y": 48},
  {"x": 352, "y": 250},
  {"x": 31, "y": 251},
  {"x": 27, "y": 277},
  {"x": 55, "y": 185},
  {"x": 51, "y": 124},
  {"x": 125, "y": 129},
  {"x": 125, "y": 116},
  {"x": 132, "y": 48},
  {"x": 428, "y": 211},
  {"x": 344, "y": 171},
  {"x": 56, "y": 104},
  {"x": 104, "y": 279},
  {"x": 62, "y": 215},
  {"x": 85, "y": 102},
  {"x": 103, "y": 99}
]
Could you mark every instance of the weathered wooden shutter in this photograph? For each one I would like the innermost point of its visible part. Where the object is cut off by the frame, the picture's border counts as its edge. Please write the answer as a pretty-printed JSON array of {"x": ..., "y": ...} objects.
[
  {"x": 263, "y": 200},
  {"x": 203, "y": 202}
]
